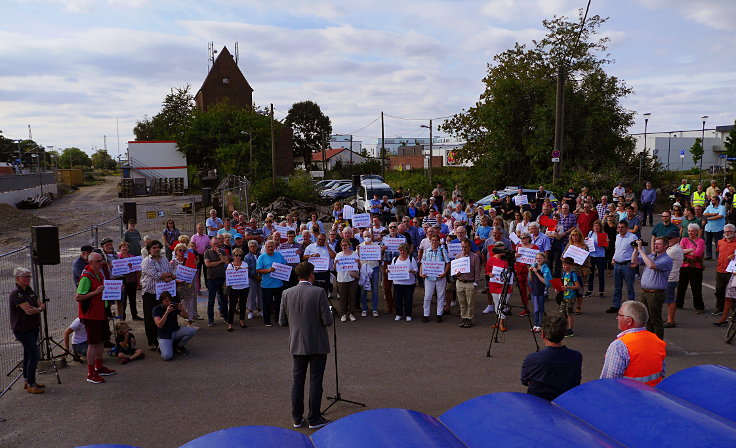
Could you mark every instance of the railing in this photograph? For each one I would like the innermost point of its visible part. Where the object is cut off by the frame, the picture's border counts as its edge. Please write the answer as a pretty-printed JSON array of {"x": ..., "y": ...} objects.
[
  {"x": 23, "y": 181},
  {"x": 144, "y": 169}
]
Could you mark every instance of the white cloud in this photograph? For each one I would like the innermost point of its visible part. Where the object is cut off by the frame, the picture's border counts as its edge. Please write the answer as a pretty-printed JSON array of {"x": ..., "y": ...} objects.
[{"x": 716, "y": 14}]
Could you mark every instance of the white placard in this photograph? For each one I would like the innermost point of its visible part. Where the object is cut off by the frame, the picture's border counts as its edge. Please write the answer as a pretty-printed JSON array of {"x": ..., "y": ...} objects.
[
  {"x": 347, "y": 212},
  {"x": 282, "y": 272},
  {"x": 577, "y": 254},
  {"x": 283, "y": 230},
  {"x": 113, "y": 290},
  {"x": 165, "y": 286},
  {"x": 433, "y": 268},
  {"x": 346, "y": 264},
  {"x": 527, "y": 255},
  {"x": 299, "y": 239},
  {"x": 361, "y": 220},
  {"x": 731, "y": 266},
  {"x": 454, "y": 248},
  {"x": 238, "y": 278},
  {"x": 289, "y": 255},
  {"x": 590, "y": 243},
  {"x": 398, "y": 272},
  {"x": 122, "y": 266},
  {"x": 392, "y": 243},
  {"x": 521, "y": 199},
  {"x": 460, "y": 266},
  {"x": 496, "y": 276},
  {"x": 371, "y": 252},
  {"x": 321, "y": 264},
  {"x": 185, "y": 274},
  {"x": 514, "y": 238}
]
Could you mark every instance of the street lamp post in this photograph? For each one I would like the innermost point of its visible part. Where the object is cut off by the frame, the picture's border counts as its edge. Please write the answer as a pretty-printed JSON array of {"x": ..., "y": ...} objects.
[
  {"x": 702, "y": 144},
  {"x": 430, "y": 149},
  {"x": 641, "y": 156},
  {"x": 669, "y": 146}
]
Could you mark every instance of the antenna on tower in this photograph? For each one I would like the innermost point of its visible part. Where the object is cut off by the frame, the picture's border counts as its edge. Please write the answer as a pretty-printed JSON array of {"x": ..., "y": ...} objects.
[
  {"x": 210, "y": 54},
  {"x": 237, "y": 53},
  {"x": 104, "y": 142},
  {"x": 30, "y": 136}
]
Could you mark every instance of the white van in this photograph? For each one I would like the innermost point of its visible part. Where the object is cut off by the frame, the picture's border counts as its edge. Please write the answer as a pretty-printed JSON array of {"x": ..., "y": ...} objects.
[{"x": 368, "y": 188}]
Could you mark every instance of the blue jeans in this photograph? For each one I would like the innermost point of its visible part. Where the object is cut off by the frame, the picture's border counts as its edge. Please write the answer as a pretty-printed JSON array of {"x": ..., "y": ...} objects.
[
  {"x": 31, "y": 353},
  {"x": 622, "y": 273},
  {"x": 647, "y": 209},
  {"x": 538, "y": 302},
  {"x": 179, "y": 338},
  {"x": 374, "y": 292},
  {"x": 712, "y": 238},
  {"x": 214, "y": 287}
]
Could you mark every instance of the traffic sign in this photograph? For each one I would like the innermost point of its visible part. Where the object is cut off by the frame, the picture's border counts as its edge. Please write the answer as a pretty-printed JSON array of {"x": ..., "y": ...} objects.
[
  {"x": 682, "y": 153},
  {"x": 555, "y": 155},
  {"x": 555, "y": 159},
  {"x": 730, "y": 159},
  {"x": 722, "y": 156}
]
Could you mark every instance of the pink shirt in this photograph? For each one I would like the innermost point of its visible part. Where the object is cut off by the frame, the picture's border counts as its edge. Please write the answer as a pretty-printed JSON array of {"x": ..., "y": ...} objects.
[
  {"x": 201, "y": 242},
  {"x": 699, "y": 247}
]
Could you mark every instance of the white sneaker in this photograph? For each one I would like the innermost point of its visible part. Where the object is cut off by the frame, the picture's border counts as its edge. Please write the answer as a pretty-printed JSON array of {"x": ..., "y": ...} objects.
[
  {"x": 375, "y": 314},
  {"x": 364, "y": 314},
  {"x": 397, "y": 318},
  {"x": 250, "y": 314},
  {"x": 408, "y": 318},
  {"x": 488, "y": 310},
  {"x": 344, "y": 318},
  {"x": 352, "y": 318}
]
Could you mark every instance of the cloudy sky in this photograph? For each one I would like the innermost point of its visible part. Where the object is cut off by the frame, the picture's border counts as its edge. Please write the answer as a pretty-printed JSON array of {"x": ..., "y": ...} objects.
[{"x": 75, "y": 69}]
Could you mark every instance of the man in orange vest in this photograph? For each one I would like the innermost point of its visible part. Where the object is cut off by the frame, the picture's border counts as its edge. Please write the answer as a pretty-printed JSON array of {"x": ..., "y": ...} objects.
[
  {"x": 636, "y": 354},
  {"x": 92, "y": 313}
]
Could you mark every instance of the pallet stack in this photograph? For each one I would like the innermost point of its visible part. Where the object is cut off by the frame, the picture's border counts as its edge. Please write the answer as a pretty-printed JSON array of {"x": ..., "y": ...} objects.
[{"x": 126, "y": 189}]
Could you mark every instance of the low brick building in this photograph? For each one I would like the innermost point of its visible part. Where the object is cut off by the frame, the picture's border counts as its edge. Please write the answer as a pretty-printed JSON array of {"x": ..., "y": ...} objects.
[{"x": 412, "y": 158}]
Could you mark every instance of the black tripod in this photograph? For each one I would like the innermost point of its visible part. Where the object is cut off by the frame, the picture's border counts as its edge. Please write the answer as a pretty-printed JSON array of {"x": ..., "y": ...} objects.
[
  {"x": 47, "y": 353},
  {"x": 503, "y": 307},
  {"x": 337, "y": 396}
]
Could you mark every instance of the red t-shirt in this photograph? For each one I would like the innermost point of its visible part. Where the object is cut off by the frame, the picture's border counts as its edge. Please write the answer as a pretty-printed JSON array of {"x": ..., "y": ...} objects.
[{"x": 493, "y": 287}]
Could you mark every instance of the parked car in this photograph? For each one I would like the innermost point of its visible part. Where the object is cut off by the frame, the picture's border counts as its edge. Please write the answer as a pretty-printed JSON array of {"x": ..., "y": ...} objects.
[
  {"x": 332, "y": 184},
  {"x": 371, "y": 176},
  {"x": 367, "y": 189},
  {"x": 340, "y": 192}
]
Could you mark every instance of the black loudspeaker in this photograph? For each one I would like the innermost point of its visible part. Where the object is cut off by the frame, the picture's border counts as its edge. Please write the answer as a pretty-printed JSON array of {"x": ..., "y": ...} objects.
[
  {"x": 130, "y": 211},
  {"x": 356, "y": 180},
  {"x": 45, "y": 245},
  {"x": 206, "y": 196}
]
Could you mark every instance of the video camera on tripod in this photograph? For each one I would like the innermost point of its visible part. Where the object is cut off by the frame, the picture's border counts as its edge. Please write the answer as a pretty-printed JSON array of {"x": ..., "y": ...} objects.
[{"x": 507, "y": 255}]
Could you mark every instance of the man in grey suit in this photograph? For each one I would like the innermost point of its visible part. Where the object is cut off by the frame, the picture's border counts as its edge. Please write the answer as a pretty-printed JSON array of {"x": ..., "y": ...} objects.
[{"x": 305, "y": 309}]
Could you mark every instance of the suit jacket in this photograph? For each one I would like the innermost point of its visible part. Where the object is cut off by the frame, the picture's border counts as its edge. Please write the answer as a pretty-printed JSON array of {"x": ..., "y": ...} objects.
[{"x": 305, "y": 310}]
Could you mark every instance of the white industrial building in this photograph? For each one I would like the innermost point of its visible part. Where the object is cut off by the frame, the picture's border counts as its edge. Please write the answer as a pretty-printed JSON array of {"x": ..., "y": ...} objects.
[
  {"x": 157, "y": 159},
  {"x": 672, "y": 148}
]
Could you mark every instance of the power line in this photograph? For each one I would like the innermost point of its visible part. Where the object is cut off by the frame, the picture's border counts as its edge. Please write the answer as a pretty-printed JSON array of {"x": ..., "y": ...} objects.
[
  {"x": 418, "y": 119},
  {"x": 355, "y": 132}
]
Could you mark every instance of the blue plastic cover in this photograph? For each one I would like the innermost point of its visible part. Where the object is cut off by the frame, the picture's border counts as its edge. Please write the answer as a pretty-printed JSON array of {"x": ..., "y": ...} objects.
[
  {"x": 711, "y": 387},
  {"x": 638, "y": 415},
  {"x": 516, "y": 419},
  {"x": 251, "y": 437},
  {"x": 386, "y": 427}
]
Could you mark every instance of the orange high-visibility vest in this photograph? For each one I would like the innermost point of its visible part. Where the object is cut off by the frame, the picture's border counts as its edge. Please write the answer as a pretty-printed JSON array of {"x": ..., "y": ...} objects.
[{"x": 646, "y": 356}]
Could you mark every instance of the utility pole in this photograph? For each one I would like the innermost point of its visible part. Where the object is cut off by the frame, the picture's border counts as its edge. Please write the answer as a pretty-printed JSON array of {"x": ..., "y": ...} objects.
[
  {"x": 351, "y": 149},
  {"x": 324, "y": 154},
  {"x": 559, "y": 121},
  {"x": 430, "y": 152},
  {"x": 273, "y": 153},
  {"x": 383, "y": 148}
]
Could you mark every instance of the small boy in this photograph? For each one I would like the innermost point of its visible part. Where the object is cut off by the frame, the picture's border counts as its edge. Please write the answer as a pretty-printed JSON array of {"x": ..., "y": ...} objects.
[
  {"x": 125, "y": 342},
  {"x": 570, "y": 283}
]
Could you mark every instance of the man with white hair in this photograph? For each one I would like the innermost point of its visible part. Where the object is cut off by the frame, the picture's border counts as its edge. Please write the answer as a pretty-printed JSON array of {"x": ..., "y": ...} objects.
[{"x": 636, "y": 354}]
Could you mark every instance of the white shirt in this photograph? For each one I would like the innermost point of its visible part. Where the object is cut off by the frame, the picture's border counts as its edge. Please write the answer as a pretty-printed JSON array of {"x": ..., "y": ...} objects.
[
  {"x": 412, "y": 263},
  {"x": 321, "y": 250},
  {"x": 80, "y": 331},
  {"x": 675, "y": 252}
]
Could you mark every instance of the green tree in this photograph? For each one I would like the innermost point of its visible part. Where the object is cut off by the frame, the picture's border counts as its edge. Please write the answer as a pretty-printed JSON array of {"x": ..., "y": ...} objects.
[
  {"x": 71, "y": 157},
  {"x": 512, "y": 124},
  {"x": 730, "y": 145},
  {"x": 312, "y": 129},
  {"x": 170, "y": 124},
  {"x": 101, "y": 160},
  {"x": 697, "y": 151}
]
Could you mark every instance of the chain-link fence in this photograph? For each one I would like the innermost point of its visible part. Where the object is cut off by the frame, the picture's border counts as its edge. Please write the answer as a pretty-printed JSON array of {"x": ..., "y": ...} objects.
[{"x": 59, "y": 287}]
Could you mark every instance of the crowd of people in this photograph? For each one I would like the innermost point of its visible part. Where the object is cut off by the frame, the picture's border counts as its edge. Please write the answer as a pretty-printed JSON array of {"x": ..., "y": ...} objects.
[{"x": 559, "y": 248}]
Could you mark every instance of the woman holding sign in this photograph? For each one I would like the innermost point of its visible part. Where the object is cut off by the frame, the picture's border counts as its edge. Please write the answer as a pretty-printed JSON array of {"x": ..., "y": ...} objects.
[
  {"x": 598, "y": 258},
  {"x": 373, "y": 262},
  {"x": 130, "y": 282},
  {"x": 346, "y": 264},
  {"x": 238, "y": 292},
  {"x": 402, "y": 271},
  {"x": 581, "y": 267},
  {"x": 185, "y": 289},
  {"x": 521, "y": 267}
]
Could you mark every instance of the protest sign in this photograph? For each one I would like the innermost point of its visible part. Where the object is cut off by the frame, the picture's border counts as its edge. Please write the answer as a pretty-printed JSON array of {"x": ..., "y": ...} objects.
[
  {"x": 398, "y": 272},
  {"x": 433, "y": 268},
  {"x": 392, "y": 243},
  {"x": 290, "y": 255},
  {"x": 348, "y": 212},
  {"x": 113, "y": 289},
  {"x": 282, "y": 272},
  {"x": 169, "y": 287},
  {"x": 345, "y": 264},
  {"x": 321, "y": 264},
  {"x": 521, "y": 199},
  {"x": 526, "y": 255},
  {"x": 238, "y": 279},
  {"x": 577, "y": 254},
  {"x": 362, "y": 220},
  {"x": 371, "y": 252},
  {"x": 460, "y": 266},
  {"x": 185, "y": 274}
]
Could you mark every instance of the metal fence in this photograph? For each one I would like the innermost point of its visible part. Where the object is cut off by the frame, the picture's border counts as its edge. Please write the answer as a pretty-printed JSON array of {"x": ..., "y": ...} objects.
[{"x": 59, "y": 287}]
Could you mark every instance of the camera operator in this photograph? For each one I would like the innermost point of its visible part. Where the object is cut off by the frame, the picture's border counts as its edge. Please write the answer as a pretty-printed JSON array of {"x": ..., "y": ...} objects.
[
  {"x": 171, "y": 337},
  {"x": 653, "y": 280}
]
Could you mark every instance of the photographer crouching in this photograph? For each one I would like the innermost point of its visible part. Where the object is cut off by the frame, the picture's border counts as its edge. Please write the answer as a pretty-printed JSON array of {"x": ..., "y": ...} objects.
[
  {"x": 657, "y": 269},
  {"x": 171, "y": 337}
]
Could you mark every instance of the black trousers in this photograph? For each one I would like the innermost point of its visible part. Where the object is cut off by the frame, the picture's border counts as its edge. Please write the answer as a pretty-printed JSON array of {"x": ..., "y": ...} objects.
[
  {"x": 316, "y": 364},
  {"x": 149, "y": 303},
  {"x": 237, "y": 297},
  {"x": 694, "y": 278},
  {"x": 129, "y": 297}
]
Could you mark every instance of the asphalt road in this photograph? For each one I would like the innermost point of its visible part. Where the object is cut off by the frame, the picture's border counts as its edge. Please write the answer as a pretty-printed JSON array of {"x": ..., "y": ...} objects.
[{"x": 244, "y": 377}]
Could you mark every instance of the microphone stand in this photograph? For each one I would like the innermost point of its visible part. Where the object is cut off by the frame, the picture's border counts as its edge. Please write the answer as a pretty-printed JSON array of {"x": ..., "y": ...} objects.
[{"x": 337, "y": 397}]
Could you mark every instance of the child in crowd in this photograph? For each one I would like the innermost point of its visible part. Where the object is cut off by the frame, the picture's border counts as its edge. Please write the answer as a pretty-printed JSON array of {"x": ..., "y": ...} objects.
[
  {"x": 538, "y": 281},
  {"x": 125, "y": 343},
  {"x": 570, "y": 284}
]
